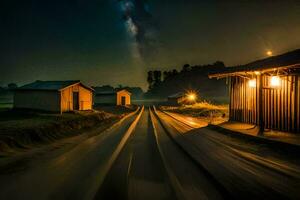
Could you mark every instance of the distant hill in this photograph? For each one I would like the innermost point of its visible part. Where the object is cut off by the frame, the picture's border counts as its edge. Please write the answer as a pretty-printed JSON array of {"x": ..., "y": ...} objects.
[{"x": 189, "y": 78}]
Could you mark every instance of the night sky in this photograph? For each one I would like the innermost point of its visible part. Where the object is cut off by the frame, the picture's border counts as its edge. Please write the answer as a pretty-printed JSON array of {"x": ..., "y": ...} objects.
[{"x": 116, "y": 42}]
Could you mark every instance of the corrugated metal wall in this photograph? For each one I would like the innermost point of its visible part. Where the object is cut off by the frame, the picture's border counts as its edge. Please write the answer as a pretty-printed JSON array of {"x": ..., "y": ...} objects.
[
  {"x": 280, "y": 105},
  {"x": 243, "y": 101}
]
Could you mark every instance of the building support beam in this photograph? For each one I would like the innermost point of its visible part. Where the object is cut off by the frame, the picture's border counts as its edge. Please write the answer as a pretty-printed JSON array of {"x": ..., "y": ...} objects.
[
  {"x": 296, "y": 120},
  {"x": 230, "y": 97},
  {"x": 261, "y": 122},
  {"x": 60, "y": 102}
]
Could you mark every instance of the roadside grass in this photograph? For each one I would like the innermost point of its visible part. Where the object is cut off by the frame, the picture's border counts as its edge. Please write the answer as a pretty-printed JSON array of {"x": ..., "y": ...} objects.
[
  {"x": 24, "y": 130},
  {"x": 211, "y": 113},
  {"x": 6, "y": 100},
  {"x": 117, "y": 110},
  {"x": 5, "y": 106}
]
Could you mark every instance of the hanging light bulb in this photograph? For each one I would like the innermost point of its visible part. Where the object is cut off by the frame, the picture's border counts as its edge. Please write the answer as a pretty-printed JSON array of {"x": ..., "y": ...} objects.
[
  {"x": 252, "y": 83},
  {"x": 275, "y": 81},
  {"x": 269, "y": 53}
]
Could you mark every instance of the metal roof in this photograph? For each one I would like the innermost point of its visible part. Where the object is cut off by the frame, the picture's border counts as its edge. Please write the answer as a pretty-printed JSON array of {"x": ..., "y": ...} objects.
[
  {"x": 51, "y": 85},
  {"x": 120, "y": 90},
  {"x": 284, "y": 61}
]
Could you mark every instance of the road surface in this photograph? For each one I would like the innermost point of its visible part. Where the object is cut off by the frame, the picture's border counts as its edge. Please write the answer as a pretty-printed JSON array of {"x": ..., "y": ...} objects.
[
  {"x": 245, "y": 169},
  {"x": 154, "y": 155}
]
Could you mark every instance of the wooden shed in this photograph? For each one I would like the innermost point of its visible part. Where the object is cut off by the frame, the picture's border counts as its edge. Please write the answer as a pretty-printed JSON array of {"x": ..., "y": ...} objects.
[
  {"x": 54, "y": 96},
  {"x": 115, "y": 97},
  {"x": 176, "y": 99},
  {"x": 266, "y": 92}
]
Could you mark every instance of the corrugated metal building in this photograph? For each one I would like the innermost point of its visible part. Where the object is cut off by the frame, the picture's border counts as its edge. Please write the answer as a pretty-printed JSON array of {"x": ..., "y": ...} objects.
[
  {"x": 176, "y": 99},
  {"x": 115, "y": 97},
  {"x": 54, "y": 96},
  {"x": 266, "y": 92}
]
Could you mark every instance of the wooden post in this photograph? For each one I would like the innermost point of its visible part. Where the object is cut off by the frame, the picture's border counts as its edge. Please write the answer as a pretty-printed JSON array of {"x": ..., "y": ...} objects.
[
  {"x": 230, "y": 99},
  {"x": 260, "y": 105},
  {"x": 60, "y": 102},
  {"x": 296, "y": 104}
]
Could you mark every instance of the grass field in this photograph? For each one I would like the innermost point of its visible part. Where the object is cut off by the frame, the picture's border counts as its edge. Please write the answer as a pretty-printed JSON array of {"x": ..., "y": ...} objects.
[
  {"x": 22, "y": 130},
  {"x": 209, "y": 112},
  {"x": 117, "y": 110},
  {"x": 6, "y": 101},
  {"x": 5, "y": 105}
]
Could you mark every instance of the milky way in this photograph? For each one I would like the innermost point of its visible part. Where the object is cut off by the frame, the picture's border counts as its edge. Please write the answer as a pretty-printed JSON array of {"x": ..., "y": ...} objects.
[{"x": 140, "y": 26}]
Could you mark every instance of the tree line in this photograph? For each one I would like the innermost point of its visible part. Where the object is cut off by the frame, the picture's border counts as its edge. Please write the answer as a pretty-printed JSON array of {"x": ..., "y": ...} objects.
[
  {"x": 9, "y": 87},
  {"x": 156, "y": 77}
]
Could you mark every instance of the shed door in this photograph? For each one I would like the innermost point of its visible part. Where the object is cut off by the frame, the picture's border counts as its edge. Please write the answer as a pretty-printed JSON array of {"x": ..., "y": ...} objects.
[
  {"x": 75, "y": 100},
  {"x": 123, "y": 101}
]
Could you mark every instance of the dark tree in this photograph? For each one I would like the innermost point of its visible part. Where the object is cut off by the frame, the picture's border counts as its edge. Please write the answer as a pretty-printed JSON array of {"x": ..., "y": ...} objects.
[
  {"x": 190, "y": 77},
  {"x": 157, "y": 77},
  {"x": 150, "y": 79},
  {"x": 219, "y": 64},
  {"x": 12, "y": 86},
  {"x": 107, "y": 87},
  {"x": 165, "y": 75},
  {"x": 186, "y": 68},
  {"x": 174, "y": 72},
  {"x": 104, "y": 88},
  {"x": 136, "y": 92}
]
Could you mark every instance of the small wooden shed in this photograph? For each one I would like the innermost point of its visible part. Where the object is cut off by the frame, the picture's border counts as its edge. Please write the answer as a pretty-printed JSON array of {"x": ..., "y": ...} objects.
[
  {"x": 266, "y": 92},
  {"x": 119, "y": 97},
  {"x": 54, "y": 96},
  {"x": 176, "y": 99}
]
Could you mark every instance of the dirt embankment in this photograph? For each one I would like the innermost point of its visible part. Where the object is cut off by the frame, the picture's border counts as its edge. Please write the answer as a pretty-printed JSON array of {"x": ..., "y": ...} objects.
[{"x": 21, "y": 130}]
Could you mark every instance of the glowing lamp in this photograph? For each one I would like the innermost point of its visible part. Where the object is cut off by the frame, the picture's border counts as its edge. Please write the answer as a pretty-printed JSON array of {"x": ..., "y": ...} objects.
[
  {"x": 275, "y": 81},
  {"x": 252, "y": 83},
  {"x": 257, "y": 73},
  {"x": 191, "y": 97},
  {"x": 269, "y": 53}
]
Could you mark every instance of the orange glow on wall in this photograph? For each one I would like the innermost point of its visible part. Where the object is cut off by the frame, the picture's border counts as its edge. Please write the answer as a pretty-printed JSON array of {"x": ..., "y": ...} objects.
[
  {"x": 252, "y": 83},
  {"x": 275, "y": 81},
  {"x": 269, "y": 53}
]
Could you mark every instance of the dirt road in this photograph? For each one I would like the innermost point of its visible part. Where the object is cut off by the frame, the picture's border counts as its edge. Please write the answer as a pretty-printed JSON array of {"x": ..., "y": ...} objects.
[{"x": 152, "y": 155}]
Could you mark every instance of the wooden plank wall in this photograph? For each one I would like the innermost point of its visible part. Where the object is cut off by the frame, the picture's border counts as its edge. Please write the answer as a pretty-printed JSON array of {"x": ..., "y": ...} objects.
[
  {"x": 243, "y": 105},
  {"x": 281, "y": 106},
  {"x": 297, "y": 107}
]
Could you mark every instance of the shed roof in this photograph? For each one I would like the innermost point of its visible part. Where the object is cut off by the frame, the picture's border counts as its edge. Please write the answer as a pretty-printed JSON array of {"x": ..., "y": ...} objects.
[
  {"x": 123, "y": 90},
  {"x": 284, "y": 61},
  {"x": 51, "y": 85}
]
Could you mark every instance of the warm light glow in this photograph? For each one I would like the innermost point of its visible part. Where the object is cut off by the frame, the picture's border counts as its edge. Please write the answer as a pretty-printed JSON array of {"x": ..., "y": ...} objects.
[
  {"x": 269, "y": 53},
  {"x": 191, "y": 96},
  {"x": 252, "y": 83},
  {"x": 257, "y": 73},
  {"x": 275, "y": 81}
]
